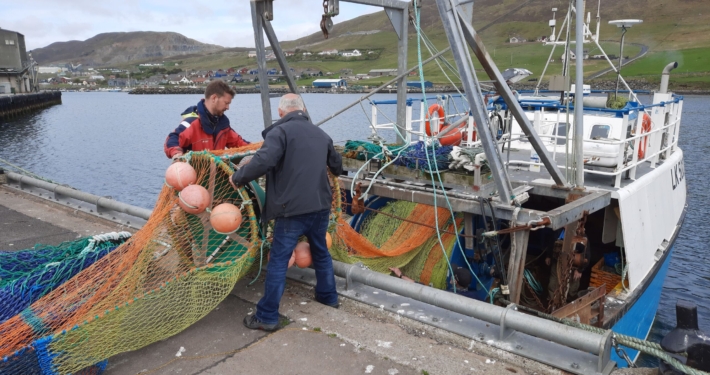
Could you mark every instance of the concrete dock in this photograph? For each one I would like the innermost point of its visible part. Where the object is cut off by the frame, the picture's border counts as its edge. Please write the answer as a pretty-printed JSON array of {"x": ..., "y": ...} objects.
[{"x": 355, "y": 339}]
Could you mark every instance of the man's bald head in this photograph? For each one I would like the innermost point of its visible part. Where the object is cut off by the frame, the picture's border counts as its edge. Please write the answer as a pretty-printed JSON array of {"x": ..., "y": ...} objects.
[{"x": 289, "y": 103}]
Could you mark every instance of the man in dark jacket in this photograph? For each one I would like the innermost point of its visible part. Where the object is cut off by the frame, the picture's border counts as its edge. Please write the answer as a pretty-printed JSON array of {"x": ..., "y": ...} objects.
[
  {"x": 205, "y": 126},
  {"x": 294, "y": 157}
]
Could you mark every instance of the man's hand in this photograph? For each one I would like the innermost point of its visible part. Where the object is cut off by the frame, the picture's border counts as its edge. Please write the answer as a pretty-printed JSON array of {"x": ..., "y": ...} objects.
[
  {"x": 235, "y": 186},
  {"x": 577, "y": 275},
  {"x": 548, "y": 261},
  {"x": 177, "y": 157}
]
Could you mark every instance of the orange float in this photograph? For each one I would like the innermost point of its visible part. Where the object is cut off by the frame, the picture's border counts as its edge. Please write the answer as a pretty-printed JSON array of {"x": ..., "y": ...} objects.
[
  {"x": 328, "y": 240},
  {"x": 194, "y": 199},
  {"x": 226, "y": 218},
  {"x": 442, "y": 118},
  {"x": 303, "y": 255},
  {"x": 180, "y": 175}
]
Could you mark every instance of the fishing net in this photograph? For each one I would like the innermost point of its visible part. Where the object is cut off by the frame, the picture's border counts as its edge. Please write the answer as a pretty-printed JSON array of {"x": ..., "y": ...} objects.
[
  {"x": 68, "y": 308},
  {"x": 402, "y": 235},
  {"x": 161, "y": 280},
  {"x": 28, "y": 275}
]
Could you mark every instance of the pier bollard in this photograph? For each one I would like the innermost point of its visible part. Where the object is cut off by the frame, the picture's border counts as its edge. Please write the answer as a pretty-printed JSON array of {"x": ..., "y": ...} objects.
[{"x": 686, "y": 338}]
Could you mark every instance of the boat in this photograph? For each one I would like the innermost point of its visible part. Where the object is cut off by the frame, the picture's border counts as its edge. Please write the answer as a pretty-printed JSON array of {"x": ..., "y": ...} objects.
[{"x": 606, "y": 199}]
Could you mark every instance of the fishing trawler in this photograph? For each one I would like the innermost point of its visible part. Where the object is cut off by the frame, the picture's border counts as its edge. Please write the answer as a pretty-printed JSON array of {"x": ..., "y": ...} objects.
[
  {"x": 541, "y": 224},
  {"x": 558, "y": 204}
]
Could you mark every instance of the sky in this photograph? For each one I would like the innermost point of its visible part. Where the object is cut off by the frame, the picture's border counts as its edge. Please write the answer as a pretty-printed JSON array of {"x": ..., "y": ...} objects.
[{"x": 223, "y": 22}]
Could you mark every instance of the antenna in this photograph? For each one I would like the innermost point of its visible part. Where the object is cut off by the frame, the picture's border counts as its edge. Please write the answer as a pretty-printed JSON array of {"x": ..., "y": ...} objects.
[
  {"x": 553, "y": 23},
  {"x": 623, "y": 24},
  {"x": 599, "y": 6}
]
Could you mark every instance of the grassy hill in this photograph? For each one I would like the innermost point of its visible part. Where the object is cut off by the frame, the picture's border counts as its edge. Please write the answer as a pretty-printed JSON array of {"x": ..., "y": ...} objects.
[
  {"x": 121, "y": 48},
  {"x": 672, "y": 30}
]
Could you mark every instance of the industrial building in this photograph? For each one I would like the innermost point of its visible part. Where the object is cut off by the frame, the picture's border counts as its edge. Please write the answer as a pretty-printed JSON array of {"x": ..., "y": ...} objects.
[
  {"x": 14, "y": 64},
  {"x": 328, "y": 83}
]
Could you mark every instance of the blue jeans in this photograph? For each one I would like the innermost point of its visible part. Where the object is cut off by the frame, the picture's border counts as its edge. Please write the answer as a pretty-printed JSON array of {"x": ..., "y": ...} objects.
[{"x": 287, "y": 230}]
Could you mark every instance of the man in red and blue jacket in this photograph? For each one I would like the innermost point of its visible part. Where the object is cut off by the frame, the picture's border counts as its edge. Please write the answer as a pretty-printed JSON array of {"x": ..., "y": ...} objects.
[{"x": 205, "y": 126}]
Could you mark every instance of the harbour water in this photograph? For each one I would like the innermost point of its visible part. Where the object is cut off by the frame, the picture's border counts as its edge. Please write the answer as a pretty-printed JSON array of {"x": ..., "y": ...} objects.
[{"x": 111, "y": 144}]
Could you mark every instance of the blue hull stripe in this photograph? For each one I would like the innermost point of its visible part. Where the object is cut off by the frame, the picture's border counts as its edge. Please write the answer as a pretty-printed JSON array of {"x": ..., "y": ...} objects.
[{"x": 638, "y": 320}]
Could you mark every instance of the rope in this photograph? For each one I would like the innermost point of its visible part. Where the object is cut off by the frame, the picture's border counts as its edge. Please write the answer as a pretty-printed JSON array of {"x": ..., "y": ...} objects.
[
  {"x": 644, "y": 346},
  {"x": 534, "y": 284}
]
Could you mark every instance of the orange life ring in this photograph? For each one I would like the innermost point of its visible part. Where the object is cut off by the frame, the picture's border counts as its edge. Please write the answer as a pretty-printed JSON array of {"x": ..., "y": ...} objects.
[
  {"x": 440, "y": 110},
  {"x": 454, "y": 138},
  {"x": 645, "y": 128}
]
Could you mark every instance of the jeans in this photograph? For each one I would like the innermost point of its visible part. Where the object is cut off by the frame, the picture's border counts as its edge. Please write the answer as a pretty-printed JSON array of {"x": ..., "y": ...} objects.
[{"x": 287, "y": 230}]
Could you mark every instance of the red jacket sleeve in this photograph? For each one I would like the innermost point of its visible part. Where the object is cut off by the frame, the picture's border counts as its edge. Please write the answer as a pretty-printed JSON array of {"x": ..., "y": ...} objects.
[
  {"x": 178, "y": 140},
  {"x": 235, "y": 140}
]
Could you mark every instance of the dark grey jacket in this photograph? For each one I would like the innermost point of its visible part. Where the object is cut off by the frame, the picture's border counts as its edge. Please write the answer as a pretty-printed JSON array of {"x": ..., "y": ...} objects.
[{"x": 294, "y": 157}]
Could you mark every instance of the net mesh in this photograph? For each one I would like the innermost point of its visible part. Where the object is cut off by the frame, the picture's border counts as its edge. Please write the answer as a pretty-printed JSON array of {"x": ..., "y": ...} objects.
[
  {"x": 154, "y": 285},
  {"x": 402, "y": 235},
  {"x": 176, "y": 269}
]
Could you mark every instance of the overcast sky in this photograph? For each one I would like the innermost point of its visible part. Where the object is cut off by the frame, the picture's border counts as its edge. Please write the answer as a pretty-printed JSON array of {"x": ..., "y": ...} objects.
[{"x": 221, "y": 22}]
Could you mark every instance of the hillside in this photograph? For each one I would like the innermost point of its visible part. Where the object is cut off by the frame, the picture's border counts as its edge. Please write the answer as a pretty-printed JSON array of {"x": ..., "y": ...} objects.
[
  {"x": 671, "y": 30},
  {"x": 121, "y": 48}
]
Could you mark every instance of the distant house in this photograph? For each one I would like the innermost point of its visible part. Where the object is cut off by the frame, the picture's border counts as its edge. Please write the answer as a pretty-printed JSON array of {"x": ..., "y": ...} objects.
[
  {"x": 517, "y": 39},
  {"x": 328, "y": 52},
  {"x": 98, "y": 78},
  {"x": 307, "y": 53},
  {"x": 244, "y": 71},
  {"x": 254, "y": 71},
  {"x": 272, "y": 72},
  {"x": 121, "y": 82},
  {"x": 289, "y": 53},
  {"x": 236, "y": 79},
  {"x": 346, "y": 71},
  {"x": 382, "y": 72},
  {"x": 328, "y": 83},
  {"x": 353, "y": 53},
  {"x": 200, "y": 81},
  {"x": 251, "y": 54},
  {"x": 185, "y": 81},
  {"x": 362, "y": 76},
  {"x": 270, "y": 56}
]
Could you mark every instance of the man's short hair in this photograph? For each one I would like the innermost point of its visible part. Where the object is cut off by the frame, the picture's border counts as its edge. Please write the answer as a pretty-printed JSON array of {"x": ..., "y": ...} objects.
[
  {"x": 462, "y": 275},
  {"x": 218, "y": 87},
  {"x": 291, "y": 103}
]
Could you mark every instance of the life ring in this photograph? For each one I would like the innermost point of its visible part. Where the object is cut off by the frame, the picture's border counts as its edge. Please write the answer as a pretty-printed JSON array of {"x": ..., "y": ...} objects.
[
  {"x": 645, "y": 128},
  {"x": 454, "y": 138},
  {"x": 440, "y": 110}
]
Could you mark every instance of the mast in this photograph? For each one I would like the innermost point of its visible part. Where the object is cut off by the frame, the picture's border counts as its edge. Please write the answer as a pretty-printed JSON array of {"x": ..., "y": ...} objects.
[
  {"x": 579, "y": 96},
  {"x": 599, "y": 6}
]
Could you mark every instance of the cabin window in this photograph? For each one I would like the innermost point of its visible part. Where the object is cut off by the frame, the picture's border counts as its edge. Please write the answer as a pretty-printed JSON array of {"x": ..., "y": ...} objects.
[
  {"x": 562, "y": 132},
  {"x": 600, "y": 132}
]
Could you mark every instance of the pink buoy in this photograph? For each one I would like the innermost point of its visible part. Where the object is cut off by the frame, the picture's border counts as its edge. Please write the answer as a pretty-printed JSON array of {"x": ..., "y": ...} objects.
[
  {"x": 180, "y": 175},
  {"x": 226, "y": 218},
  {"x": 303, "y": 254},
  {"x": 194, "y": 199}
]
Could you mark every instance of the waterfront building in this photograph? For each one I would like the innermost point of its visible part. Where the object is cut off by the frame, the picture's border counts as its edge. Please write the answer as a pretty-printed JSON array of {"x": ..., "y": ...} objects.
[{"x": 14, "y": 64}]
